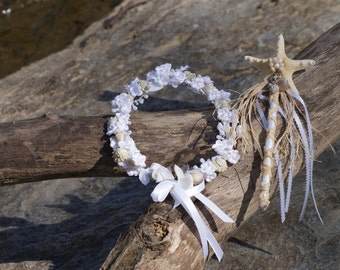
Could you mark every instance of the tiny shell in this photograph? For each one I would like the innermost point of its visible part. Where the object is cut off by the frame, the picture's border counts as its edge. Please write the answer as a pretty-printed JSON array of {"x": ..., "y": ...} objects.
[{"x": 197, "y": 177}]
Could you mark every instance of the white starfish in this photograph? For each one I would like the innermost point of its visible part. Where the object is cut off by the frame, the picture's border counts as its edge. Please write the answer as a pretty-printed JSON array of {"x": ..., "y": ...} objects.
[{"x": 280, "y": 64}]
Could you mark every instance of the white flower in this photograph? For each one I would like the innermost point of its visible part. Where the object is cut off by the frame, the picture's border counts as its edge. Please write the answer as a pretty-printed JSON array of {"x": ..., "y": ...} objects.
[
  {"x": 127, "y": 155},
  {"x": 135, "y": 164},
  {"x": 138, "y": 159},
  {"x": 177, "y": 76},
  {"x": 208, "y": 170},
  {"x": 213, "y": 95},
  {"x": 134, "y": 88},
  {"x": 111, "y": 125},
  {"x": 224, "y": 114},
  {"x": 120, "y": 123},
  {"x": 159, "y": 77},
  {"x": 197, "y": 84},
  {"x": 224, "y": 130},
  {"x": 234, "y": 156},
  {"x": 219, "y": 98},
  {"x": 208, "y": 83},
  {"x": 224, "y": 147},
  {"x": 113, "y": 144},
  {"x": 122, "y": 104}
]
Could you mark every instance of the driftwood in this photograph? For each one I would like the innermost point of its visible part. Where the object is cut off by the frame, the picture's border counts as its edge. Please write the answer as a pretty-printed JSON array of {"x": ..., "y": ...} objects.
[{"x": 53, "y": 147}]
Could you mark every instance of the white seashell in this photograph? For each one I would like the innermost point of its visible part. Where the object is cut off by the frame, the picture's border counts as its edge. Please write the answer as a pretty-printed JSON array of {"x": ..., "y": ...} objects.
[
  {"x": 265, "y": 180},
  {"x": 120, "y": 136},
  {"x": 271, "y": 124},
  {"x": 272, "y": 105},
  {"x": 197, "y": 177},
  {"x": 269, "y": 144}
]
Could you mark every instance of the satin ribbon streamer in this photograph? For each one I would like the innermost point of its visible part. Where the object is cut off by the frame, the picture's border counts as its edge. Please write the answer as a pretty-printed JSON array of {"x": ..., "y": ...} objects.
[
  {"x": 182, "y": 196},
  {"x": 308, "y": 143},
  {"x": 309, "y": 155}
]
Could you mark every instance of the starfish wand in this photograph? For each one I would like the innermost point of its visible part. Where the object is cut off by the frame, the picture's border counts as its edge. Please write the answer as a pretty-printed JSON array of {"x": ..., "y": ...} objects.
[{"x": 284, "y": 100}]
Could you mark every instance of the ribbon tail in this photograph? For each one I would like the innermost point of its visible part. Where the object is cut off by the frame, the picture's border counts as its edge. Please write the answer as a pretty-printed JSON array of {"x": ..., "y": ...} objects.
[
  {"x": 205, "y": 235},
  {"x": 291, "y": 165},
  {"x": 215, "y": 246},
  {"x": 281, "y": 186},
  {"x": 311, "y": 150},
  {"x": 290, "y": 172},
  {"x": 307, "y": 160},
  {"x": 214, "y": 208}
]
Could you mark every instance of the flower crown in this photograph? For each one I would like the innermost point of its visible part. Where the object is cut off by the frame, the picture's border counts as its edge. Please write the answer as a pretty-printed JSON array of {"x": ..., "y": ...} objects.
[
  {"x": 190, "y": 182},
  {"x": 127, "y": 155}
]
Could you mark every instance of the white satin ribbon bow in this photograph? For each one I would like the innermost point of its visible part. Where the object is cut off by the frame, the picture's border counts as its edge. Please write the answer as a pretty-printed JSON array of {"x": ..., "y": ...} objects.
[{"x": 181, "y": 190}]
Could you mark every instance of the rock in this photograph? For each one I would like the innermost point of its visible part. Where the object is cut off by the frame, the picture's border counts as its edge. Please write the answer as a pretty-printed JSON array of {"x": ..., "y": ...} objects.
[
  {"x": 212, "y": 38},
  {"x": 64, "y": 222}
]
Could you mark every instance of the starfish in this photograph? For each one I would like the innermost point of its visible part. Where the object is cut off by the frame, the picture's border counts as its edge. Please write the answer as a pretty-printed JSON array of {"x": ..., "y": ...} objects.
[{"x": 280, "y": 64}]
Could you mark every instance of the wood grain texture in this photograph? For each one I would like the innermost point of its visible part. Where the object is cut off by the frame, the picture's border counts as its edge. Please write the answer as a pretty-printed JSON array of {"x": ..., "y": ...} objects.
[
  {"x": 53, "y": 146},
  {"x": 60, "y": 147}
]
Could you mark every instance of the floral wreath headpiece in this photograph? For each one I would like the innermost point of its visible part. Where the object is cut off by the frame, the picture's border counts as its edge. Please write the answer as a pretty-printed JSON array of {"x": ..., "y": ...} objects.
[{"x": 190, "y": 182}]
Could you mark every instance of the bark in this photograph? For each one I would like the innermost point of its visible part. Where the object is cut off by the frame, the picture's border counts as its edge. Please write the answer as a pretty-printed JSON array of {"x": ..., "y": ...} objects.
[{"x": 53, "y": 147}]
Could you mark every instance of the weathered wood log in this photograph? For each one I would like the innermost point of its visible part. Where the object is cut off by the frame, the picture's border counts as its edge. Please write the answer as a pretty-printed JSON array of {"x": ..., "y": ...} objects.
[
  {"x": 54, "y": 146},
  {"x": 234, "y": 191},
  {"x": 59, "y": 147}
]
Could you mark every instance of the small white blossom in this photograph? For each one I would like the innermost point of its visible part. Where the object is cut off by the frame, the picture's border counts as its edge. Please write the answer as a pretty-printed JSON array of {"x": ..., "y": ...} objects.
[
  {"x": 208, "y": 169},
  {"x": 197, "y": 84},
  {"x": 122, "y": 104},
  {"x": 224, "y": 114},
  {"x": 138, "y": 160},
  {"x": 134, "y": 88},
  {"x": 234, "y": 156},
  {"x": 208, "y": 83},
  {"x": 223, "y": 130},
  {"x": 159, "y": 77},
  {"x": 117, "y": 124},
  {"x": 130, "y": 171},
  {"x": 177, "y": 76},
  {"x": 218, "y": 97},
  {"x": 224, "y": 148},
  {"x": 213, "y": 95}
]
